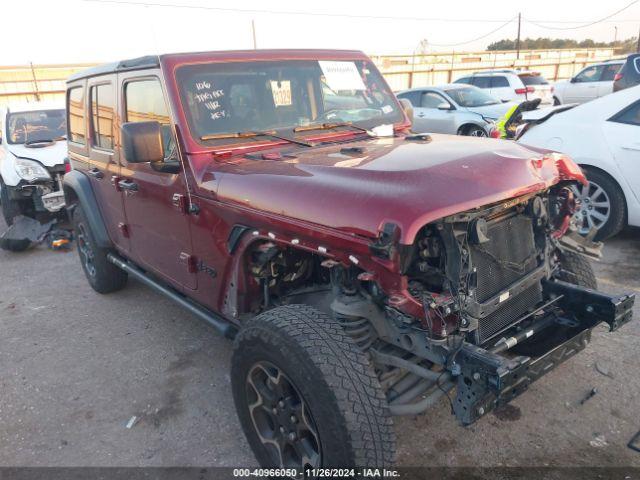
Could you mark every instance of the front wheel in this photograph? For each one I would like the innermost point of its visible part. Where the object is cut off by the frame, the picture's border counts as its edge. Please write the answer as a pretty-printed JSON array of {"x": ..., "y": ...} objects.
[
  {"x": 10, "y": 208},
  {"x": 600, "y": 205},
  {"x": 473, "y": 131},
  {"x": 306, "y": 396}
]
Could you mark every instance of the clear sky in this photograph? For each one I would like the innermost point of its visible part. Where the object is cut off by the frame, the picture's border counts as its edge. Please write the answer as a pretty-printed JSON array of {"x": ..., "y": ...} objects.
[{"x": 67, "y": 31}]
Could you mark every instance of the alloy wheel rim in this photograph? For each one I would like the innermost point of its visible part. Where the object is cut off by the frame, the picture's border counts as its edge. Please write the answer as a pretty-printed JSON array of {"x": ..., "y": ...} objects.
[
  {"x": 281, "y": 418},
  {"x": 593, "y": 207},
  {"x": 86, "y": 252},
  {"x": 477, "y": 133}
]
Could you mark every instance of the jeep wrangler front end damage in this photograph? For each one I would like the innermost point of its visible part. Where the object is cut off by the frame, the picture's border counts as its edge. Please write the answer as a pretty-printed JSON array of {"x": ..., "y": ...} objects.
[{"x": 501, "y": 302}]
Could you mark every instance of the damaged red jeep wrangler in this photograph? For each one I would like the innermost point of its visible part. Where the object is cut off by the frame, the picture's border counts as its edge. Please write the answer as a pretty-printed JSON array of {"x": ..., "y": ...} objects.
[{"x": 364, "y": 271}]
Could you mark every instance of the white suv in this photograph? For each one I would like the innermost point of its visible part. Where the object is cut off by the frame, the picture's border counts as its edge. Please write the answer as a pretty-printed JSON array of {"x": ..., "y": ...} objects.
[
  {"x": 512, "y": 85},
  {"x": 33, "y": 150},
  {"x": 590, "y": 83}
]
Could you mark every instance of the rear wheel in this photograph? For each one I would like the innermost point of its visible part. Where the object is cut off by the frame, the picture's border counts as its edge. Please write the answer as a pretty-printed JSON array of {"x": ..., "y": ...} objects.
[
  {"x": 103, "y": 276},
  {"x": 306, "y": 396}
]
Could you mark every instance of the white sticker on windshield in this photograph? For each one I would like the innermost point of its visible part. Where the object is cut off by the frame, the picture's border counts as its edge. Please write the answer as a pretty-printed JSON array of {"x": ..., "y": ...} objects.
[
  {"x": 387, "y": 109},
  {"x": 281, "y": 90},
  {"x": 342, "y": 76}
]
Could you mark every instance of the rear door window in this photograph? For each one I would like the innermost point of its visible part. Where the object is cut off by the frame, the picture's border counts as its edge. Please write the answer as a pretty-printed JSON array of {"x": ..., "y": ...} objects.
[
  {"x": 499, "y": 82},
  {"x": 413, "y": 97},
  {"x": 466, "y": 80},
  {"x": 481, "y": 82},
  {"x": 103, "y": 104},
  {"x": 609, "y": 72},
  {"x": 75, "y": 119}
]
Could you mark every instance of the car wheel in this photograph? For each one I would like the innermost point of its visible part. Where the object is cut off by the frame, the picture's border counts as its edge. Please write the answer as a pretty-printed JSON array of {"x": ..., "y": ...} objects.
[
  {"x": 473, "y": 131},
  {"x": 103, "y": 276},
  {"x": 10, "y": 208},
  {"x": 600, "y": 204},
  {"x": 306, "y": 396}
]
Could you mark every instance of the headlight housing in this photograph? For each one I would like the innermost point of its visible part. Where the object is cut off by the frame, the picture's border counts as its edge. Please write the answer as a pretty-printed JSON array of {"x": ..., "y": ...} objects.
[{"x": 31, "y": 170}]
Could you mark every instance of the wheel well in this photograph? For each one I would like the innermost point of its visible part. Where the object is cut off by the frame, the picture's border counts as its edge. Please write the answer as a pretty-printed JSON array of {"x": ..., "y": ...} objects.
[
  {"x": 465, "y": 128},
  {"x": 606, "y": 174}
]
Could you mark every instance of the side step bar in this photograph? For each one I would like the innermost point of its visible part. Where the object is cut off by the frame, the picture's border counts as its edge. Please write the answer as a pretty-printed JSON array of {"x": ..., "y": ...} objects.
[{"x": 222, "y": 326}]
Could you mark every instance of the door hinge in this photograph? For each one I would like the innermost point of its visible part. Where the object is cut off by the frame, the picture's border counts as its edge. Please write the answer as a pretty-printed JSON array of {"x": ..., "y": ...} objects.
[
  {"x": 180, "y": 202},
  {"x": 124, "y": 229}
]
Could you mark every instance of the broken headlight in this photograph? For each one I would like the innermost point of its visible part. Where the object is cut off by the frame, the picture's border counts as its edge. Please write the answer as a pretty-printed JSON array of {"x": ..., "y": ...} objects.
[{"x": 31, "y": 170}]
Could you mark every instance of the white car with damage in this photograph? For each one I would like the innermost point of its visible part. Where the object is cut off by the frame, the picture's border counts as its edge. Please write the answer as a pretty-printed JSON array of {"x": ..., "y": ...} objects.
[
  {"x": 603, "y": 137},
  {"x": 33, "y": 150}
]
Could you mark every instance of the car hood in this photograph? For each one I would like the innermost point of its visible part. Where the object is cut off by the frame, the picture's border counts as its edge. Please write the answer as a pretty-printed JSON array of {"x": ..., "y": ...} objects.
[
  {"x": 49, "y": 156},
  {"x": 492, "y": 111},
  {"x": 360, "y": 186}
]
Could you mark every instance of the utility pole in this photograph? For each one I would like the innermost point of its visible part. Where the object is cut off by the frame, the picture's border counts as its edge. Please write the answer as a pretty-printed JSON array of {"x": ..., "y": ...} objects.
[
  {"x": 253, "y": 31},
  {"x": 35, "y": 82},
  {"x": 518, "y": 39},
  {"x": 638, "y": 46}
]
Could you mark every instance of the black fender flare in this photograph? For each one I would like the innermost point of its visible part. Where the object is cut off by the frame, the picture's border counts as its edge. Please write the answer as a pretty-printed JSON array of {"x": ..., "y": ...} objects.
[{"x": 77, "y": 189}]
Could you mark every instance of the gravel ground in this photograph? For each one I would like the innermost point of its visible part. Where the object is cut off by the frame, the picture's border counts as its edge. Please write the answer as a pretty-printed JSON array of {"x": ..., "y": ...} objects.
[{"x": 76, "y": 366}]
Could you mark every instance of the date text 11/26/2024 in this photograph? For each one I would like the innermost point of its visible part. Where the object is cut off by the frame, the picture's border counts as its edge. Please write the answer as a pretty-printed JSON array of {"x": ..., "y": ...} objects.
[{"x": 316, "y": 473}]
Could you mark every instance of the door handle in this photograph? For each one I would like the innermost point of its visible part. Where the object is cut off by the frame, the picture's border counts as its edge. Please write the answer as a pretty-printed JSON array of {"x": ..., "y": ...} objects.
[
  {"x": 95, "y": 173},
  {"x": 128, "y": 186},
  {"x": 421, "y": 115}
]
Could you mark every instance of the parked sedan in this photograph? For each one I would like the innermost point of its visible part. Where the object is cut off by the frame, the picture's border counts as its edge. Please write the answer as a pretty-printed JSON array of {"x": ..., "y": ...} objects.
[
  {"x": 603, "y": 137},
  {"x": 456, "y": 109}
]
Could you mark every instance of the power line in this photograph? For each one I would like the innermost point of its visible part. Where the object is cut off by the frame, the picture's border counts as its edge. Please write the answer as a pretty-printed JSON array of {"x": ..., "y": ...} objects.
[
  {"x": 293, "y": 12},
  {"x": 474, "y": 39},
  {"x": 589, "y": 24}
]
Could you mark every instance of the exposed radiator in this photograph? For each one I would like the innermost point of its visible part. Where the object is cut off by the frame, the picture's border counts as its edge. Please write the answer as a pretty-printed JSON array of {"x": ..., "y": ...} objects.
[{"x": 509, "y": 255}]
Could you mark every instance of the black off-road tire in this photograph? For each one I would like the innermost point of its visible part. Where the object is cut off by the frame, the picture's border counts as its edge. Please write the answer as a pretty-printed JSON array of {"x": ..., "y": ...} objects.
[
  {"x": 333, "y": 377},
  {"x": 473, "y": 131},
  {"x": 577, "y": 270},
  {"x": 10, "y": 208},
  {"x": 618, "y": 214},
  {"x": 102, "y": 275}
]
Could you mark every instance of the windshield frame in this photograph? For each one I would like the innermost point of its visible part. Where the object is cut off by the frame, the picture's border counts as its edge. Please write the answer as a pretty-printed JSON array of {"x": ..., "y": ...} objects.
[
  {"x": 9, "y": 133},
  {"x": 181, "y": 107}
]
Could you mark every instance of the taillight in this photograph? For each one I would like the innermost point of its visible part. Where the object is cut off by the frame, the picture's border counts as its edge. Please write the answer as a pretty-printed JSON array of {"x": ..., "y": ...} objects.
[
  {"x": 67, "y": 166},
  {"x": 618, "y": 76},
  {"x": 524, "y": 91}
]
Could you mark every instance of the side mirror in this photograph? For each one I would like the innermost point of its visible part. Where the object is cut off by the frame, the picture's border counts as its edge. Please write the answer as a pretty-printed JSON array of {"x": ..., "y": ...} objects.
[
  {"x": 573, "y": 80},
  {"x": 407, "y": 107},
  {"x": 445, "y": 106},
  {"x": 142, "y": 142}
]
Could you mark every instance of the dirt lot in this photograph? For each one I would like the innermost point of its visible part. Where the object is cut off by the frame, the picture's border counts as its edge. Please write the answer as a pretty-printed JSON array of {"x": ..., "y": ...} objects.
[{"x": 75, "y": 366}]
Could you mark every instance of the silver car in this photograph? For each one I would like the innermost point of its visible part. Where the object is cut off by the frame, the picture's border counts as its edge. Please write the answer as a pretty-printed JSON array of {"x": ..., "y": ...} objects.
[{"x": 456, "y": 109}]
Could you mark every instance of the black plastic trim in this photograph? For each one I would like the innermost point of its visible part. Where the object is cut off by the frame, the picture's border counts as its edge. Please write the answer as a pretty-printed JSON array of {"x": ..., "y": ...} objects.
[{"x": 79, "y": 184}]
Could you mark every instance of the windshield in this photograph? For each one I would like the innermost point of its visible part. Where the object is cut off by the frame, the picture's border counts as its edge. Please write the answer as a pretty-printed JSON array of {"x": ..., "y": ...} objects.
[
  {"x": 36, "y": 126},
  {"x": 471, "y": 97},
  {"x": 226, "y": 98}
]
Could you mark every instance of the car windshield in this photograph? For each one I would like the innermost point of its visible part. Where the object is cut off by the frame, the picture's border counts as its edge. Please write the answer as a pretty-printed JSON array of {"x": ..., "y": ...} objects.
[
  {"x": 36, "y": 126},
  {"x": 471, "y": 97},
  {"x": 227, "y": 98}
]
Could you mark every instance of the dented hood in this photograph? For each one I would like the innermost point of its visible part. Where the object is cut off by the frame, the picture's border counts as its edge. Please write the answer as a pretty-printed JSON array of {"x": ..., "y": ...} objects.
[
  {"x": 359, "y": 186},
  {"x": 49, "y": 156}
]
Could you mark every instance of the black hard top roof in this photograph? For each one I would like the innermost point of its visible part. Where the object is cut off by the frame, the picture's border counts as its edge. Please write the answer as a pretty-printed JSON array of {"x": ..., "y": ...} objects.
[{"x": 149, "y": 61}]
